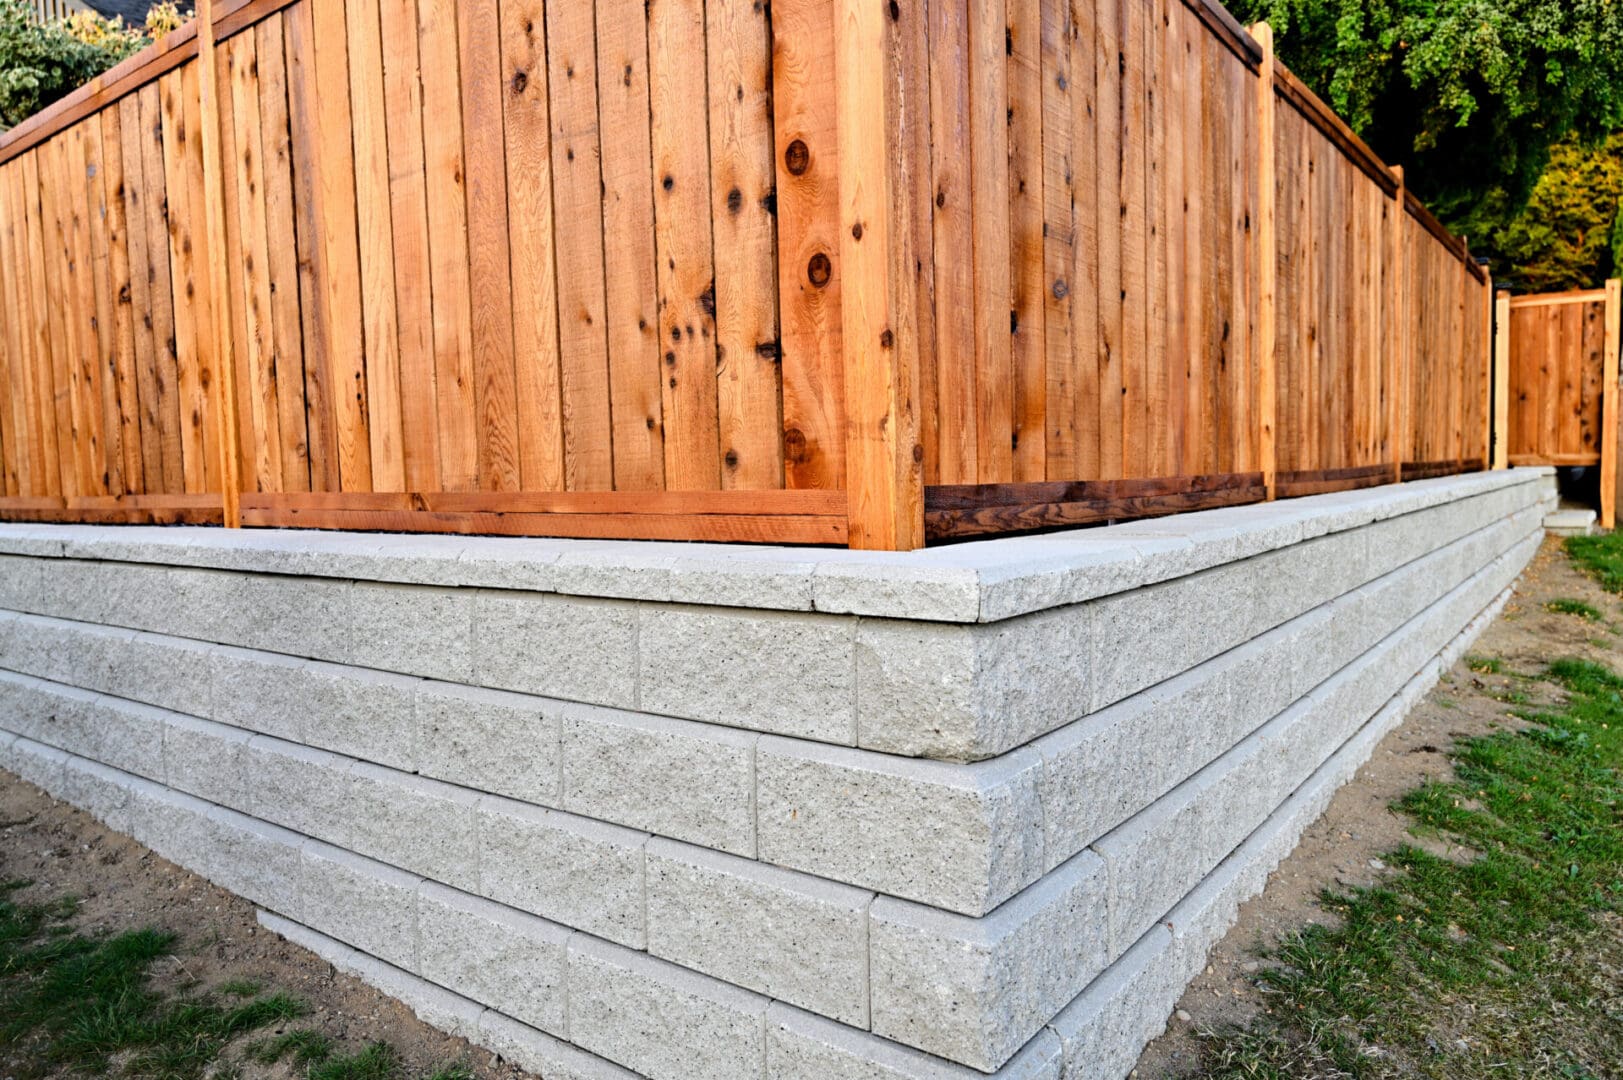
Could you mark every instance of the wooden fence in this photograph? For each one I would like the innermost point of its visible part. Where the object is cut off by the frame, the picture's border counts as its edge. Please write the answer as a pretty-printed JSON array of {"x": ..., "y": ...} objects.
[
  {"x": 1558, "y": 369},
  {"x": 826, "y": 272}
]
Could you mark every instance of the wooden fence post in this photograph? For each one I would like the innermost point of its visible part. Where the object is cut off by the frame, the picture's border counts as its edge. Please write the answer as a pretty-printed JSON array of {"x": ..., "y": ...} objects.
[
  {"x": 214, "y": 230},
  {"x": 878, "y": 64},
  {"x": 1267, "y": 267},
  {"x": 1402, "y": 358},
  {"x": 1609, "y": 493},
  {"x": 1501, "y": 380}
]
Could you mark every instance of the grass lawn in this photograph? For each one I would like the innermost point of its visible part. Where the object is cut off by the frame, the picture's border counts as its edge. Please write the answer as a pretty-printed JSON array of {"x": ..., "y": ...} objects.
[
  {"x": 75, "y": 1004},
  {"x": 1504, "y": 963}
]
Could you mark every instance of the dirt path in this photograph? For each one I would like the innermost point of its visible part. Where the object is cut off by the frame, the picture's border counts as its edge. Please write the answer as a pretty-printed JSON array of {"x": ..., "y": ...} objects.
[
  {"x": 1342, "y": 848},
  {"x": 123, "y": 886}
]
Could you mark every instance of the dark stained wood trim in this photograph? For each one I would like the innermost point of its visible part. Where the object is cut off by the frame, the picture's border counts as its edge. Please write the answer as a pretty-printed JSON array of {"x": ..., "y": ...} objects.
[
  {"x": 959, "y": 512},
  {"x": 1322, "y": 481},
  {"x": 1228, "y": 30},
  {"x": 1426, "y": 470},
  {"x": 115, "y": 510}
]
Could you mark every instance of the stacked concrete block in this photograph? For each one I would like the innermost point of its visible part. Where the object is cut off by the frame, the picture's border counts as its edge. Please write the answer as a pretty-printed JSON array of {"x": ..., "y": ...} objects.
[{"x": 664, "y": 810}]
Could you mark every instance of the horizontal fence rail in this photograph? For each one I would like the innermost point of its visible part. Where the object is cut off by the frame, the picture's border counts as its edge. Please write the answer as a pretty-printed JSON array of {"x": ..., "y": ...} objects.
[{"x": 820, "y": 273}]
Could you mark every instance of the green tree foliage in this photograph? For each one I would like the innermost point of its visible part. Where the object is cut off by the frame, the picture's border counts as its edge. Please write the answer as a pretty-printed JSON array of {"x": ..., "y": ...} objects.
[
  {"x": 40, "y": 62},
  {"x": 1470, "y": 95},
  {"x": 1567, "y": 236}
]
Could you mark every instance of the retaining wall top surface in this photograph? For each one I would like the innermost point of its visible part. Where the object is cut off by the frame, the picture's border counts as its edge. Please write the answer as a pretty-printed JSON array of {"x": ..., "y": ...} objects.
[{"x": 983, "y": 581}]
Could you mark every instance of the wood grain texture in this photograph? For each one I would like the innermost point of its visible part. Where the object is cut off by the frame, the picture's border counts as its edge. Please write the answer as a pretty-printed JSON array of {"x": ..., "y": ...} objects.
[{"x": 682, "y": 230}]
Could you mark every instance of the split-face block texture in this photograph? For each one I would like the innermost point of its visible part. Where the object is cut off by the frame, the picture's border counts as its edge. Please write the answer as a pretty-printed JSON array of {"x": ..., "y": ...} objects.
[{"x": 623, "y": 811}]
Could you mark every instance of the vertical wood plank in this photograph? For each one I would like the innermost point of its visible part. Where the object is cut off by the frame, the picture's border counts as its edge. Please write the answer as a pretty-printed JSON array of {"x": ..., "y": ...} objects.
[
  {"x": 1611, "y": 414},
  {"x": 489, "y": 265},
  {"x": 633, "y": 406},
  {"x": 880, "y": 80},
  {"x": 682, "y": 230},
  {"x": 1110, "y": 116},
  {"x": 1501, "y": 381},
  {"x": 957, "y": 396},
  {"x": 126, "y": 380},
  {"x": 1059, "y": 234},
  {"x": 578, "y": 181},
  {"x": 1027, "y": 270},
  {"x": 1267, "y": 266},
  {"x": 15, "y": 438},
  {"x": 408, "y": 216},
  {"x": 536, "y": 361},
  {"x": 56, "y": 467},
  {"x": 333, "y": 160},
  {"x": 84, "y": 313},
  {"x": 989, "y": 104},
  {"x": 749, "y": 414},
  {"x": 315, "y": 317},
  {"x": 375, "y": 223},
  {"x": 287, "y": 336},
  {"x": 102, "y": 364},
  {"x": 448, "y": 242},
  {"x": 163, "y": 408}
]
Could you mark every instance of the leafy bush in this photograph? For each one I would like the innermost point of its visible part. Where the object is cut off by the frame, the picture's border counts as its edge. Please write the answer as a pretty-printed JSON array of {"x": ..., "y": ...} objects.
[{"x": 41, "y": 62}]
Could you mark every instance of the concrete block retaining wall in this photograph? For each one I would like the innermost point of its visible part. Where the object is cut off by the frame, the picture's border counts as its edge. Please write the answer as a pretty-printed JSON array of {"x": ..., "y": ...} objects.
[{"x": 687, "y": 811}]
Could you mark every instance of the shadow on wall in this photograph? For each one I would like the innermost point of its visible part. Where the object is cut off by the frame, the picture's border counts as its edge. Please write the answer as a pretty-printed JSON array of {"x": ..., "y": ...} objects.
[{"x": 1579, "y": 484}]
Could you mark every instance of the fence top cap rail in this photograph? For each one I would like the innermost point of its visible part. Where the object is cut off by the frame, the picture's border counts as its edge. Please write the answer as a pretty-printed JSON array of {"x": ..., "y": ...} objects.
[
  {"x": 1572, "y": 296},
  {"x": 977, "y": 582}
]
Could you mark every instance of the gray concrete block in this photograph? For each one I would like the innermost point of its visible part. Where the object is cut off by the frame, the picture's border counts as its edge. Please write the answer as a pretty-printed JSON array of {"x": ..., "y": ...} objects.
[
  {"x": 661, "y": 1020},
  {"x": 126, "y": 735},
  {"x": 907, "y": 585},
  {"x": 101, "y": 792},
  {"x": 960, "y": 837},
  {"x": 1170, "y": 731},
  {"x": 365, "y": 904},
  {"x": 174, "y": 825},
  {"x": 1143, "y": 637},
  {"x": 306, "y": 617},
  {"x": 253, "y": 859},
  {"x": 800, "y": 1045},
  {"x": 27, "y": 704},
  {"x": 788, "y": 936},
  {"x": 354, "y": 711},
  {"x": 420, "y": 825},
  {"x": 975, "y": 991},
  {"x": 494, "y": 954},
  {"x": 1103, "y": 1030},
  {"x": 579, "y": 650},
  {"x": 259, "y": 692},
  {"x": 490, "y": 740},
  {"x": 1297, "y": 579},
  {"x": 776, "y": 579},
  {"x": 412, "y": 629},
  {"x": 169, "y": 673},
  {"x": 40, "y": 765},
  {"x": 433, "y": 1005},
  {"x": 299, "y": 788},
  {"x": 782, "y": 673},
  {"x": 969, "y": 693},
  {"x": 61, "y": 716},
  {"x": 25, "y": 582},
  {"x": 690, "y": 781},
  {"x": 206, "y": 760},
  {"x": 1203, "y": 819},
  {"x": 575, "y": 871},
  {"x": 539, "y": 1053}
]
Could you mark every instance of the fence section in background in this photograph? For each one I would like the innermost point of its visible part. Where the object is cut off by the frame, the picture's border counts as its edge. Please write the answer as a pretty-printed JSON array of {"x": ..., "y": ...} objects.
[
  {"x": 704, "y": 271},
  {"x": 1559, "y": 352}
]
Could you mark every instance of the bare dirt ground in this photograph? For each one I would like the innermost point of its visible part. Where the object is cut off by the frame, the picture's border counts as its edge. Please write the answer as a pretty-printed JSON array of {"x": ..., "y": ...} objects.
[
  {"x": 123, "y": 886},
  {"x": 1343, "y": 848}
]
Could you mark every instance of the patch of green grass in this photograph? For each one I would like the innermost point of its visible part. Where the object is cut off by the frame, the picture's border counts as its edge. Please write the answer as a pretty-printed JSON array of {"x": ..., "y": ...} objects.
[
  {"x": 72, "y": 1003},
  {"x": 1601, "y": 556},
  {"x": 1505, "y": 965},
  {"x": 1564, "y": 606},
  {"x": 1485, "y": 665}
]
